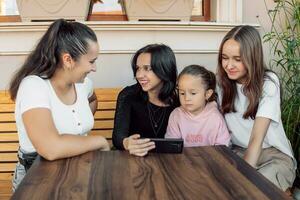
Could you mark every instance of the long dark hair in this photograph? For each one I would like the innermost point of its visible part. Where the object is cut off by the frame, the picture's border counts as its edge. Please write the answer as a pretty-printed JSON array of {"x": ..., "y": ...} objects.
[
  {"x": 61, "y": 37},
  {"x": 251, "y": 53},
  {"x": 163, "y": 64},
  {"x": 208, "y": 78}
]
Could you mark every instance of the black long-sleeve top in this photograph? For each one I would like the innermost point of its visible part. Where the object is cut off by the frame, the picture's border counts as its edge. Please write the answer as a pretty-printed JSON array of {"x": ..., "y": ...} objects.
[{"x": 132, "y": 116}]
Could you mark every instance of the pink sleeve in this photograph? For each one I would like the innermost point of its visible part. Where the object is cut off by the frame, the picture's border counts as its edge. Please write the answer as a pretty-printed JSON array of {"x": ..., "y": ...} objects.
[
  {"x": 173, "y": 130},
  {"x": 223, "y": 136}
]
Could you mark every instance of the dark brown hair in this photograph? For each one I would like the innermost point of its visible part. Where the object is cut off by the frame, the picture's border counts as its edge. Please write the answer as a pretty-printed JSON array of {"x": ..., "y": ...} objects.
[
  {"x": 163, "y": 64},
  {"x": 208, "y": 78},
  {"x": 61, "y": 37},
  {"x": 251, "y": 54}
]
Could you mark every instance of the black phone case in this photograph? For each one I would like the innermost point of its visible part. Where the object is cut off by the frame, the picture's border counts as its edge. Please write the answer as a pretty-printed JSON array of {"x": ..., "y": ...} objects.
[{"x": 167, "y": 145}]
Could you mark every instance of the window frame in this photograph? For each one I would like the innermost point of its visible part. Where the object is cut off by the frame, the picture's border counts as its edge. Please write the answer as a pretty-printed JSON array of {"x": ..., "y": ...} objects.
[{"x": 206, "y": 4}]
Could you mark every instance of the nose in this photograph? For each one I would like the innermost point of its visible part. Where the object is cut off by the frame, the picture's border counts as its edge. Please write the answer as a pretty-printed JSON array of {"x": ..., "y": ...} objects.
[
  {"x": 94, "y": 68},
  {"x": 230, "y": 64},
  {"x": 140, "y": 74},
  {"x": 186, "y": 97}
]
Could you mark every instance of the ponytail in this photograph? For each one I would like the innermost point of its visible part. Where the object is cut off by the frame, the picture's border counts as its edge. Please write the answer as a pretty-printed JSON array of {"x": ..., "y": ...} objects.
[{"x": 61, "y": 37}]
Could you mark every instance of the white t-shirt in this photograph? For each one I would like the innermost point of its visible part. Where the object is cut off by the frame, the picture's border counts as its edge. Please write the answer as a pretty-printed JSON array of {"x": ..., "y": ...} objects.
[
  {"x": 269, "y": 107},
  {"x": 35, "y": 92}
]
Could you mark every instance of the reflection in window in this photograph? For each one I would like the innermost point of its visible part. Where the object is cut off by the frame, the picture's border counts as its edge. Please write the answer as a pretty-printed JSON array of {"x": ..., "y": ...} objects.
[
  {"x": 8, "y": 7},
  {"x": 108, "y": 7},
  {"x": 197, "y": 9}
]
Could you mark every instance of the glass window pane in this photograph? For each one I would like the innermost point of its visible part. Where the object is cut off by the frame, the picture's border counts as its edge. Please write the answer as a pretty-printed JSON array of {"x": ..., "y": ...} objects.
[
  {"x": 8, "y": 7},
  {"x": 197, "y": 9},
  {"x": 108, "y": 7}
]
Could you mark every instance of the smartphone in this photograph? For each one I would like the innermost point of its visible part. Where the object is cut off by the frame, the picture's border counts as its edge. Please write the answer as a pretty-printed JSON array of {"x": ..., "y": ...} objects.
[{"x": 167, "y": 145}]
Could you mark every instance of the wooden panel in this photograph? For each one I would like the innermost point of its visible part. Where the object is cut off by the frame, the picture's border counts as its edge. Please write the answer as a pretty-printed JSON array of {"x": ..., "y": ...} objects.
[
  {"x": 4, "y": 127},
  {"x": 105, "y": 133},
  {"x": 9, "y": 147},
  {"x": 5, "y": 176},
  {"x": 109, "y": 105},
  {"x": 104, "y": 115},
  {"x": 7, "y": 108},
  {"x": 7, "y": 117},
  {"x": 9, "y": 137},
  {"x": 5, "y": 188},
  {"x": 7, "y": 167},
  {"x": 8, "y": 157},
  {"x": 107, "y": 124},
  {"x": 5, "y": 97}
]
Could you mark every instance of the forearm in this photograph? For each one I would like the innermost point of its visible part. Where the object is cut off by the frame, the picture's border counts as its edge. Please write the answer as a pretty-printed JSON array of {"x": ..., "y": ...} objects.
[
  {"x": 67, "y": 145},
  {"x": 93, "y": 102},
  {"x": 93, "y": 106},
  {"x": 252, "y": 153},
  {"x": 258, "y": 134}
]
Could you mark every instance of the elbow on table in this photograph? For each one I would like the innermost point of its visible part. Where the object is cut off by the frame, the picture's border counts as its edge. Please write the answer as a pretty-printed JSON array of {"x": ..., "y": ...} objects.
[{"x": 50, "y": 154}]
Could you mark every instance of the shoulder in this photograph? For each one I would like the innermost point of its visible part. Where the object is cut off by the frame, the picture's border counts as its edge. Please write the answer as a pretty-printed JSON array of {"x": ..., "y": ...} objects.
[
  {"x": 129, "y": 91},
  {"x": 213, "y": 111},
  {"x": 33, "y": 83},
  {"x": 271, "y": 84}
]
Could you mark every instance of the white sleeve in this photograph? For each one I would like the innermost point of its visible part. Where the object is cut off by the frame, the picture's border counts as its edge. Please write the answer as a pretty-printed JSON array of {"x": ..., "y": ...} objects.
[
  {"x": 88, "y": 87},
  {"x": 33, "y": 93},
  {"x": 269, "y": 104}
]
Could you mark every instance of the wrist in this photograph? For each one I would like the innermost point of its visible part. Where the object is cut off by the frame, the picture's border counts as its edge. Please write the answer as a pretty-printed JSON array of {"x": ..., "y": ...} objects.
[{"x": 125, "y": 143}]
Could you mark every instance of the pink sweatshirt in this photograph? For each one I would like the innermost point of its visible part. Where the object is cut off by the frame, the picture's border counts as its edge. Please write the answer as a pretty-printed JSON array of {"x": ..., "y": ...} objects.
[{"x": 206, "y": 128}]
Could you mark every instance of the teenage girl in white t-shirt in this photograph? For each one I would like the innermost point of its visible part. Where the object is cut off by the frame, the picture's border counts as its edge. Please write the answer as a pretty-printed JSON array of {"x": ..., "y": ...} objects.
[
  {"x": 249, "y": 97},
  {"x": 54, "y": 99}
]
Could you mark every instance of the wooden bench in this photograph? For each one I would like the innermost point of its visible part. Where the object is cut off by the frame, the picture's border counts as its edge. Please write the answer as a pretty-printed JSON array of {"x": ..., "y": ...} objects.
[{"x": 104, "y": 119}]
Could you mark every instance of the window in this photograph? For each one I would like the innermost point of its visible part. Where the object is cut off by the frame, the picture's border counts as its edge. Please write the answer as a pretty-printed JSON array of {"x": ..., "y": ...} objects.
[{"x": 108, "y": 10}]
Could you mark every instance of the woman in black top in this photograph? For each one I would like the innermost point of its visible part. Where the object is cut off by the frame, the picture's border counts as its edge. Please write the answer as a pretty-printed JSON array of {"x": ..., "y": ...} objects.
[{"x": 143, "y": 109}]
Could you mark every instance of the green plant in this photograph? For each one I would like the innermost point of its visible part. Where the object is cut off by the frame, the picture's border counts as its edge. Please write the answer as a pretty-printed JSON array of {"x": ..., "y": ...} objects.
[{"x": 284, "y": 38}]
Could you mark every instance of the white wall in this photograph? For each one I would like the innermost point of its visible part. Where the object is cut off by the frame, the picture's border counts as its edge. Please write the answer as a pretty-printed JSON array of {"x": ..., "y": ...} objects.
[{"x": 193, "y": 43}]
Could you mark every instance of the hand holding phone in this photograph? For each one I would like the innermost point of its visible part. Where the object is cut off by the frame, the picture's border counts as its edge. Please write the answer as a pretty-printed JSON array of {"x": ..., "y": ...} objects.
[{"x": 167, "y": 145}]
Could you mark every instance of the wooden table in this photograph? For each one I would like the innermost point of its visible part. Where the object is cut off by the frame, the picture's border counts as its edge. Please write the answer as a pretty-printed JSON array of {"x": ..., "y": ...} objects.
[{"x": 198, "y": 173}]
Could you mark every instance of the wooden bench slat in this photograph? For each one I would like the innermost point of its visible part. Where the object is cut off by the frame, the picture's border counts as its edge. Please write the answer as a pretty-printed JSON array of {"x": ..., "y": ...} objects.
[
  {"x": 5, "y": 177},
  {"x": 9, "y": 147},
  {"x": 108, "y": 114},
  {"x": 7, "y": 167},
  {"x": 7, "y": 117},
  {"x": 7, "y": 107},
  {"x": 8, "y": 157},
  {"x": 9, "y": 137},
  {"x": 106, "y": 105},
  {"x": 4, "y": 127},
  {"x": 107, "y": 124},
  {"x": 105, "y": 133}
]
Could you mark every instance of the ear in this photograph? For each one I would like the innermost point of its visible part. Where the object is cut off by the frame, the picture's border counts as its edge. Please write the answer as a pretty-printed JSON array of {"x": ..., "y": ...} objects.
[
  {"x": 67, "y": 61},
  {"x": 208, "y": 93}
]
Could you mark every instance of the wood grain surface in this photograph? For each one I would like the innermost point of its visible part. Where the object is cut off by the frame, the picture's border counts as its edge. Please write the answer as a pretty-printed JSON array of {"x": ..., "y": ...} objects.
[{"x": 197, "y": 173}]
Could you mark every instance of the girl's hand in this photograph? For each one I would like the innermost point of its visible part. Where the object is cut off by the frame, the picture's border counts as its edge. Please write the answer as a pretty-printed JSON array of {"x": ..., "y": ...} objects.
[
  {"x": 137, "y": 146},
  {"x": 104, "y": 145}
]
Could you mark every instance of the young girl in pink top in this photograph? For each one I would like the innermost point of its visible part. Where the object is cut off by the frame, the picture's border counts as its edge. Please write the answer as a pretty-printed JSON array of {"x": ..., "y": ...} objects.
[{"x": 197, "y": 121}]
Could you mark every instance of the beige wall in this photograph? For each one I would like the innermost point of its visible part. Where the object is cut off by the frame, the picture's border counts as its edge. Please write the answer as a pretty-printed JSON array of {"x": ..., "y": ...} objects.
[
  {"x": 255, "y": 11},
  {"x": 193, "y": 43}
]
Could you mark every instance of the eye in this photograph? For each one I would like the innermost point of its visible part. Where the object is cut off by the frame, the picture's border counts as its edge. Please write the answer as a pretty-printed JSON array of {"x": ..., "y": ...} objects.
[
  {"x": 92, "y": 62},
  {"x": 193, "y": 93},
  {"x": 181, "y": 93},
  {"x": 224, "y": 58},
  {"x": 148, "y": 68},
  {"x": 238, "y": 59}
]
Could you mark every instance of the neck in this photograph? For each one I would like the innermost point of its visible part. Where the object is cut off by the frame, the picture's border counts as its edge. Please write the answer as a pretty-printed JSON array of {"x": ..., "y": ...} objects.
[
  {"x": 153, "y": 98},
  {"x": 59, "y": 82}
]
